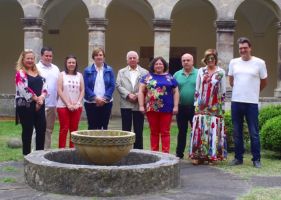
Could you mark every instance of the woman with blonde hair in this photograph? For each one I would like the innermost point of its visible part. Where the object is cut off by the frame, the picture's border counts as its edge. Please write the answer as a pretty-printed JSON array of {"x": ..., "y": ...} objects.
[
  {"x": 30, "y": 96},
  {"x": 208, "y": 136}
]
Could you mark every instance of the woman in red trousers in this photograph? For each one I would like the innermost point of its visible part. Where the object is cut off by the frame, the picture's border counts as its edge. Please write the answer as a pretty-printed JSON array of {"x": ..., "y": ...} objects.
[
  {"x": 159, "y": 98},
  {"x": 71, "y": 93}
]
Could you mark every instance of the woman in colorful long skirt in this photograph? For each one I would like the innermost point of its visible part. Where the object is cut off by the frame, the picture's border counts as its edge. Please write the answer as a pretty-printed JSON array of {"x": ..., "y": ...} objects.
[{"x": 208, "y": 142}]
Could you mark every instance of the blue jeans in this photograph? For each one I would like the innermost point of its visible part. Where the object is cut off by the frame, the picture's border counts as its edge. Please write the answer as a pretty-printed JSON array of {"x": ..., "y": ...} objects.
[{"x": 250, "y": 112}]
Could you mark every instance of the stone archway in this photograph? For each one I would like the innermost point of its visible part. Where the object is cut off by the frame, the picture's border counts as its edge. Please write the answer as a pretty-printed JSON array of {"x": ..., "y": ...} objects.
[
  {"x": 66, "y": 30},
  {"x": 193, "y": 30},
  {"x": 257, "y": 21},
  {"x": 11, "y": 40}
]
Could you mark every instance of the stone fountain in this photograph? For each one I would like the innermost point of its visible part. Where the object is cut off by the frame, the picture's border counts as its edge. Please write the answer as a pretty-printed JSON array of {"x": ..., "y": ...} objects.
[{"x": 85, "y": 172}]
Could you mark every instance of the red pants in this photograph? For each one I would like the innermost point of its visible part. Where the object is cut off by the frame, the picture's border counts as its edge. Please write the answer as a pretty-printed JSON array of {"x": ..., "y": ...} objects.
[
  {"x": 69, "y": 121},
  {"x": 159, "y": 124}
]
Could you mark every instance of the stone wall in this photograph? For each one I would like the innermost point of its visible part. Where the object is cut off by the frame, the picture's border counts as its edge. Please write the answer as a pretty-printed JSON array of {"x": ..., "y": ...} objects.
[{"x": 7, "y": 108}]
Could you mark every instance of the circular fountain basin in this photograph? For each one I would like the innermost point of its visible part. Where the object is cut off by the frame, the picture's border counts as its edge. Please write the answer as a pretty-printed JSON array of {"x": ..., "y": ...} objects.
[
  {"x": 103, "y": 147},
  {"x": 64, "y": 171}
]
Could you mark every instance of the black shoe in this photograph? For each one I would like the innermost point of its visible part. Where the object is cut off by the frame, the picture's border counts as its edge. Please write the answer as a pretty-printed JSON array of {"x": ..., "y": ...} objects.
[
  {"x": 236, "y": 162},
  {"x": 257, "y": 164}
]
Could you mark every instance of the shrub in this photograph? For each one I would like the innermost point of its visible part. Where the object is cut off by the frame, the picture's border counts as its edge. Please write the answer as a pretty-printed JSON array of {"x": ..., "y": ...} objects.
[
  {"x": 267, "y": 113},
  {"x": 229, "y": 132},
  {"x": 271, "y": 134}
]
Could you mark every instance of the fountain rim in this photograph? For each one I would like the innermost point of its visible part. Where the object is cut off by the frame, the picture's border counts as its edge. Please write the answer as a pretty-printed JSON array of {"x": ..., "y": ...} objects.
[
  {"x": 130, "y": 134},
  {"x": 41, "y": 160}
]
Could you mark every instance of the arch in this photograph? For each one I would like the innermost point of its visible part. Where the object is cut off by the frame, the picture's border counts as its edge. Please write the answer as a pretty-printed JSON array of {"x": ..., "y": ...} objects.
[
  {"x": 181, "y": 4},
  {"x": 97, "y": 9},
  {"x": 224, "y": 10},
  {"x": 271, "y": 5},
  {"x": 186, "y": 35},
  {"x": 162, "y": 9},
  {"x": 11, "y": 40},
  {"x": 66, "y": 30},
  {"x": 55, "y": 20},
  {"x": 31, "y": 9},
  {"x": 257, "y": 21},
  {"x": 129, "y": 28},
  {"x": 142, "y": 7}
]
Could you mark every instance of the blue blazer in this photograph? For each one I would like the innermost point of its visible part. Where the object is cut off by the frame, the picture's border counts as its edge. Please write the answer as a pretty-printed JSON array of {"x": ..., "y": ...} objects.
[{"x": 90, "y": 74}]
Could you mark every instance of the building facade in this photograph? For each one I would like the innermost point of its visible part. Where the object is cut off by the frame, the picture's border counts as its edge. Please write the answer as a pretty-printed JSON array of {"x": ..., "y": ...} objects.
[{"x": 167, "y": 28}]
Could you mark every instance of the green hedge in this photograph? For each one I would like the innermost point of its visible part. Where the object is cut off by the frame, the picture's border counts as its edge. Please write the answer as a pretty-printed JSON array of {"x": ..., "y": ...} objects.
[
  {"x": 266, "y": 116},
  {"x": 267, "y": 113},
  {"x": 229, "y": 132},
  {"x": 271, "y": 134}
]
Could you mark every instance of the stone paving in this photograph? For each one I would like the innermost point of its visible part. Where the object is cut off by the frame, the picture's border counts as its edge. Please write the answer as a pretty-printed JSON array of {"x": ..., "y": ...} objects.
[{"x": 197, "y": 182}]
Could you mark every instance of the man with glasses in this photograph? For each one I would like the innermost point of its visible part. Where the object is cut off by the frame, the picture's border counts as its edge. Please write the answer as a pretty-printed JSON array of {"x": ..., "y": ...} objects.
[
  {"x": 186, "y": 78},
  {"x": 247, "y": 76}
]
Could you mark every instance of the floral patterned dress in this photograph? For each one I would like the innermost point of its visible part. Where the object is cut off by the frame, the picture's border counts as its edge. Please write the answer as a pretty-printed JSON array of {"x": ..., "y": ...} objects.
[
  {"x": 208, "y": 139},
  {"x": 159, "y": 94}
]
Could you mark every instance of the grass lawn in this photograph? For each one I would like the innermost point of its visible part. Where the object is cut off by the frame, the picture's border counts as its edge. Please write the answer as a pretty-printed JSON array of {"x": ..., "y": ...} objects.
[{"x": 9, "y": 130}]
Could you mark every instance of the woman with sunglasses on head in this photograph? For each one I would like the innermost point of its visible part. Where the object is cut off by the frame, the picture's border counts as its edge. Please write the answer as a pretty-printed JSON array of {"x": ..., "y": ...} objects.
[
  {"x": 208, "y": 137},
  {"x": 71, "y": 93},
  {"x": 31, "y": 91}
]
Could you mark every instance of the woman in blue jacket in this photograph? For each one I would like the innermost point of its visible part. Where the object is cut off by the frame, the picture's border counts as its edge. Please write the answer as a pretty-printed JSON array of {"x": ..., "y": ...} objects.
[{"x": 99, "y": 88}]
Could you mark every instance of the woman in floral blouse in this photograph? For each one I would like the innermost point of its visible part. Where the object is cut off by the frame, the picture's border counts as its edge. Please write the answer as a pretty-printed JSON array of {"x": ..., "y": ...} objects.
[
  {"x": 31, "y": 91},
  {"x": 208, "y": 137},
  {"x": 159, "y": 98}
]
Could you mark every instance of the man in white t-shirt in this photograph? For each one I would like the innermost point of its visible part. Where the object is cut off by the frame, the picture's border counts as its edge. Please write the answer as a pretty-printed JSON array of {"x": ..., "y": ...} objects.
[
  {"x": 247, "y": 76},
  {"x": 51, "y": 73}
]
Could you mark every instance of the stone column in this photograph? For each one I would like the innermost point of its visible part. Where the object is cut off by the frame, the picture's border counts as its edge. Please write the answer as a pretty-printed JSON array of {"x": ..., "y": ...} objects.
[
  {"x": 162, "y": 29},
  {"x": 277, "y": 91},
  {"x": 224, "y": 45},
  {"x": 97, "y": 28},
  {"x": 33, "y": 34}
]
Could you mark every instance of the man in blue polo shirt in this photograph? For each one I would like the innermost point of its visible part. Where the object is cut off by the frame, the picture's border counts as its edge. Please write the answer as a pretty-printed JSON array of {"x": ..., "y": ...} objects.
[{"x": 186, "y": 78}]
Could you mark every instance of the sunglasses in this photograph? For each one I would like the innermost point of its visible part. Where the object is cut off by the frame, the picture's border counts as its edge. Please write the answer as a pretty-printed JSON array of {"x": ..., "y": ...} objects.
[{"x": 210, "y": 58}]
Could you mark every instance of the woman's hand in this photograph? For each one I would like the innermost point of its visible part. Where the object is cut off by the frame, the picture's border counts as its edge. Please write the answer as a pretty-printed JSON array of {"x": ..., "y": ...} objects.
[
  {"x": 100, "y": 101},
  {"x": 77, "y": 106},
  {"x": 142, "y": 110},
  {"x": 37, "y": 107},
  {"x": 175, "y": 110},
  {"x": 70, "y": 107}
]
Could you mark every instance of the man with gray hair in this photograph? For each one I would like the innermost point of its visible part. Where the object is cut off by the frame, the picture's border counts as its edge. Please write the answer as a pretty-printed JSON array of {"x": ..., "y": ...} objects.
[{"x": 127, "y": 84}]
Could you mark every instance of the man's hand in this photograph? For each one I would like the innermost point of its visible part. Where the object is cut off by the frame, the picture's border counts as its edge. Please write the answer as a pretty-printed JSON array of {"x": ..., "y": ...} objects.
[{"x": 133, "y": 98}]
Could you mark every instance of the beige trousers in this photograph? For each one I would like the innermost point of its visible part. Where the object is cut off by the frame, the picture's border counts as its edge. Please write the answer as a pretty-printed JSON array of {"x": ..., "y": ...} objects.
[{"x": 50, "y": 113}]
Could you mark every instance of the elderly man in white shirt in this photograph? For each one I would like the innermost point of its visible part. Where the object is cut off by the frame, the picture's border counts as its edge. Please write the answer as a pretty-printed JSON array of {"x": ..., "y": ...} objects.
[{"x": 127, "y": 84}]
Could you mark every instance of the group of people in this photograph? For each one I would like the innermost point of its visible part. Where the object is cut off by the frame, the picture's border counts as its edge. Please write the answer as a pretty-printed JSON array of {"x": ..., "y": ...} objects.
[{"x": 195, "y": 96}]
